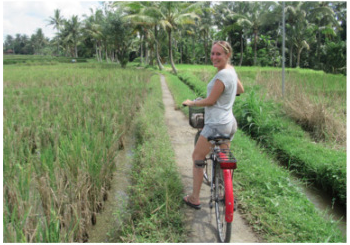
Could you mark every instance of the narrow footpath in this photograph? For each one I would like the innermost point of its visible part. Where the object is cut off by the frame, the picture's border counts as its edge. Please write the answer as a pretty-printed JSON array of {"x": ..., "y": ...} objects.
[{"x": 201, "y": 222}]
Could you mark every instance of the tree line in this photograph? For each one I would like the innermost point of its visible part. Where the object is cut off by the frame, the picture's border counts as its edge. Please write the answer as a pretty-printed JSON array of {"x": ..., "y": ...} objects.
[{"x": 182, "y": 32}]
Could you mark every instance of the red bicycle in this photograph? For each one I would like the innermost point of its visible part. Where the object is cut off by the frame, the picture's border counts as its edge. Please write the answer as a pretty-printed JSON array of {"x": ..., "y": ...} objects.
[
  {"x": 218, "y": 174},
  {"x": 221, "y": 166}
]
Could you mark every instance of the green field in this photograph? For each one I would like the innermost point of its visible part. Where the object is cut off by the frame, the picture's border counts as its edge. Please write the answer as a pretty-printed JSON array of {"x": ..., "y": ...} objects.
[
  {"x": 267, "y": 192},
  {"x": 314, "y": 147},
  {"x": 64, "y": 124}
]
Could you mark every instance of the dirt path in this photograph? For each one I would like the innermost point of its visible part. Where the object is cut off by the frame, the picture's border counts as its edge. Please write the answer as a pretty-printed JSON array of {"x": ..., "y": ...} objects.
[{"x": 201, "y": 222}]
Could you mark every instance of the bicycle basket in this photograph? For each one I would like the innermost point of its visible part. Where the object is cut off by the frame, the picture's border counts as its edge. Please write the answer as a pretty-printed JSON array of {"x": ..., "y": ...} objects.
[
  {"x": 196, "y": 117},
  {"x": 226, "y": 159}
]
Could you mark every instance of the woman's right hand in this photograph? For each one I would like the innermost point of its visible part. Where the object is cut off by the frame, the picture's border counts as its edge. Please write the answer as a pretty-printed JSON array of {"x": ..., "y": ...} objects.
[{"x": 188, "y": 103}]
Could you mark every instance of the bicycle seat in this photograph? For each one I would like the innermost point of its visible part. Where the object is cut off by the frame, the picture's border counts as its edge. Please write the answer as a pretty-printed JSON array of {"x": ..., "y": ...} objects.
[{"x": 218, "y": 137}]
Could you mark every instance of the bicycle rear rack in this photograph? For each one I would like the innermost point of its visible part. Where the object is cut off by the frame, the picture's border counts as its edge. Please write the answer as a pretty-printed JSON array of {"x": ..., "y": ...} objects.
[{"x": 226, "y": 159}]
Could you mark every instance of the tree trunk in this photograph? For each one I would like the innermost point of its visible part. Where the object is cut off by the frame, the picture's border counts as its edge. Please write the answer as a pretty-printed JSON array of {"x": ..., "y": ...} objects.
[
  {"x": 255, "y": 46},
  {"x": 157, "y": 49},
  {"x": 298, "y": 58},
  {"x": 241, "y": 59},
  {"x": 158, "y": 57},
  {"x": 206, "y": 48},
  {"x": 146, "y": 54},
  {"x": 171, "y": 53},
  {"x": 275, "y": 53},
  {"x": 76, "y": 50},
  {"x": 141, "y": 49},
  {"x": 291, "y": 56},
  {"x": 193, "y": 51}
]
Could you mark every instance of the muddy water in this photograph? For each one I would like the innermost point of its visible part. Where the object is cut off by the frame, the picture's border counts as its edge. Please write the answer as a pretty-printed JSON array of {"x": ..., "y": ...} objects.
[
  {"x": 115, "y": 207},
  {"x": 323, "y": 202}
]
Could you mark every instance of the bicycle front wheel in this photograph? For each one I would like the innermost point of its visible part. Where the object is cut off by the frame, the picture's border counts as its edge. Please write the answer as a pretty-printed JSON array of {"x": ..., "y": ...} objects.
[{"x": 224, "y": 228}]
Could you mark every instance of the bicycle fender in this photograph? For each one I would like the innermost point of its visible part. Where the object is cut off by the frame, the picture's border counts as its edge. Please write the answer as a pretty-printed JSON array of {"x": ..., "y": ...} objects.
[{"x": 229, "y": 201}]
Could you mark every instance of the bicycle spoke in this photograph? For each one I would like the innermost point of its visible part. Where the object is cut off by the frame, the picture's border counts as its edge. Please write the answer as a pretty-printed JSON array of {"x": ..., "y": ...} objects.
[{"x": 224, "y": 228}]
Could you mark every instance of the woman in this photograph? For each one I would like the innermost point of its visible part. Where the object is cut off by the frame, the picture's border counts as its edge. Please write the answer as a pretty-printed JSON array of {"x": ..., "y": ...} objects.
[{"x": 221, "y": 93}]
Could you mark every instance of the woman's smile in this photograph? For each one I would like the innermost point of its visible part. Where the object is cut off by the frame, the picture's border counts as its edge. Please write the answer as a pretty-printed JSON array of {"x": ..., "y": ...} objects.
[{"x": 218, "y": 57}]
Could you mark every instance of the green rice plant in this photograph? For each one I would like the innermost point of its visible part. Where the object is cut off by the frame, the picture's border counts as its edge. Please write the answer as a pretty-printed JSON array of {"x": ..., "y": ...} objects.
[
  {"x": 315, "y": 100},
  {"x": 264, "y": 119},
  {"x": 179, "y": 91},
  {"x": 271, "y": 200},
  {"x": 194, "y": 83},
  {"x": 257, "y": 118},
  {"x": 325, "y": 167},
  {"x": 63, "y": 127},
  {"x": 157, "y": 188}
]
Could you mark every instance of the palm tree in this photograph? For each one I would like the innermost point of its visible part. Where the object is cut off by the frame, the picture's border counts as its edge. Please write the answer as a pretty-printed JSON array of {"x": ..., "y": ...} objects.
[
  {"x": 38, "y": 40},
  {"x": 298, "y": 28},
  {"x": 56, "y": 21},
  {"x": 174, "y": 15},
  {"x": 93, "y": 28},
  {"x": 254, "y": 18},
  {"x": 205, "y": 24},
  {"x": 71, "y": 33},
  {"x": 168, "y": 15},
  {"x": 139, "y": 14},
  {"x": 226, "y": 16},
  {"x": 324, "y": 19}
]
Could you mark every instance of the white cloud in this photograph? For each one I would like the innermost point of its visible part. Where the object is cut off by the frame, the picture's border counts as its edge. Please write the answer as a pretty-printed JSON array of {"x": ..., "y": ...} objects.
[{"x": 25, "y": 17}]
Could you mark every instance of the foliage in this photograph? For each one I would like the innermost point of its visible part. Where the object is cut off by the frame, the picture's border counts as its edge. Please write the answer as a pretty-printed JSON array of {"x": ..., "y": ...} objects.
[
  {"x": 264, "y": 120},
  {"x": 270, "y": 197},
  {"x": 315, "y": 33},
  {"x": 63, "y": 127}
]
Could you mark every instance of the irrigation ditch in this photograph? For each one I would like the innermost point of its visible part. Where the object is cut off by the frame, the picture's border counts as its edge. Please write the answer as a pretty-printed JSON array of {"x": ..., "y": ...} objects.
[
  {"x": 200, "y": 223},
  {"x": 323, "y": 201},
  {"x": 115, "y": 209}
]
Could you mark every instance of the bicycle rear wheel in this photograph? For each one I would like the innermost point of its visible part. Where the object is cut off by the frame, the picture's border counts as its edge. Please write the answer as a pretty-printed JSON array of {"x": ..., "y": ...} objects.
[{"x": 224, "y": 228}]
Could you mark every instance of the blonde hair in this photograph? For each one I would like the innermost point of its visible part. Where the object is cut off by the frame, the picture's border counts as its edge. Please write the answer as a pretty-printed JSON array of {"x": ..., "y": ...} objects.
[{"x": 225, "y": 45}]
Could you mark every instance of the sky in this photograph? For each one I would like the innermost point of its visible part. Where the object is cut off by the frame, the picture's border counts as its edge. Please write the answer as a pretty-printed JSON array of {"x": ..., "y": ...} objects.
[{"x": 25, "y": 17}]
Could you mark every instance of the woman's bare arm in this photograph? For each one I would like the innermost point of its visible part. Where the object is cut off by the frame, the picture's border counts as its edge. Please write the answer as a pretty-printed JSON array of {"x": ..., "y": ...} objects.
[
  {"x": 211, "y": 99},
  {"x": 240, "y": 88}
]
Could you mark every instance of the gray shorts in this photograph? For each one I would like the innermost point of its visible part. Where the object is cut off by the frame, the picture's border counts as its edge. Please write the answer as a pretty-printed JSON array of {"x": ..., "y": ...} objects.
[{"x": 229, "y": 128}]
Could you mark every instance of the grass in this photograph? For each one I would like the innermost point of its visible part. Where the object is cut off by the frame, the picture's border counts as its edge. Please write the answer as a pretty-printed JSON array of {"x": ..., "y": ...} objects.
[
  {"x": 265, "y": 120},
  {"x": 155, "y": 210},
  {"x": 180, "y": 91},
  {"x": 63, "y": 127},
  {"x": 30, "y": 60},
  {"x": 315, "y": 100},
  {"x": 271, "y": 200}
]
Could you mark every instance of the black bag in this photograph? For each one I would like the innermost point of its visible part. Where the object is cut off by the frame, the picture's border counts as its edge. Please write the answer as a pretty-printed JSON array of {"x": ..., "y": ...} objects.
[{"x": 196, "y": 117}]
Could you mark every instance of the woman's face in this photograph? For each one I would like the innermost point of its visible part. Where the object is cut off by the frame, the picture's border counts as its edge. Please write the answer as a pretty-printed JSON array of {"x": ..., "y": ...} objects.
[{"x": 219, "y": 57}]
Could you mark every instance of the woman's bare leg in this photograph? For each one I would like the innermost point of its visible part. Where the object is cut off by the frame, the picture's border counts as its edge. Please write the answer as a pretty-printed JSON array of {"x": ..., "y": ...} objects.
[{"x": 201, "y": 150}]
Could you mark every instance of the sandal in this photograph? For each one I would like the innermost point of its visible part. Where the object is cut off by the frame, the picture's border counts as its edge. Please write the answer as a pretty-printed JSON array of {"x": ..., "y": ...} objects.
[{"x": 195, "y": 206}]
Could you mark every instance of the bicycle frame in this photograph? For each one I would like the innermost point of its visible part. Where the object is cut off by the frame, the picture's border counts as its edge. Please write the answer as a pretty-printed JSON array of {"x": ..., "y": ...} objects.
[
  {"x": 229, "y": 201},
  {"x": 227, "y": 176}
]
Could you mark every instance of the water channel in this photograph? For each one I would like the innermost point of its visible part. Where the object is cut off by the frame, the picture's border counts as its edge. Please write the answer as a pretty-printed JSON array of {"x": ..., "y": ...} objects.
[
  {"x": 115, "y": 208},
  {"x": 324, "y": 203}
]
